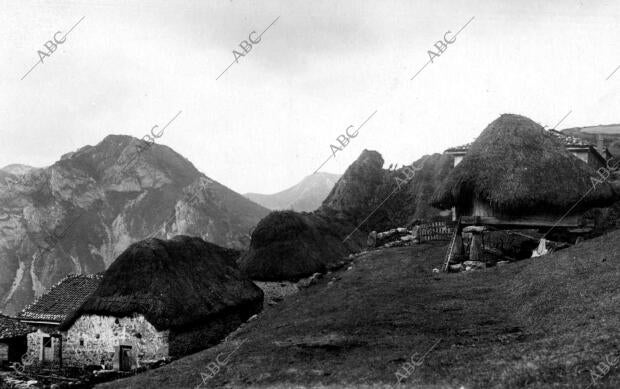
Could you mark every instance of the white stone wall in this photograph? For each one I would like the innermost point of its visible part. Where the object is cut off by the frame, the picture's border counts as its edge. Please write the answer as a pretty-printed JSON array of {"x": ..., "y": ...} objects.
[
  {"x": 35, "y": 347},
  {"x": 101, "y": 336}
]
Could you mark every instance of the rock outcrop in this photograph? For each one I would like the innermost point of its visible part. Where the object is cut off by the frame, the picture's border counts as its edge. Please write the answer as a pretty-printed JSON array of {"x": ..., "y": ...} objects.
[{"x": 396, "y": 199}]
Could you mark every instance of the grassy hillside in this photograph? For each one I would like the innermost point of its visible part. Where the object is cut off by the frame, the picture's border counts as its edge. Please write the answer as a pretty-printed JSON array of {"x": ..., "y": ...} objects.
[{"x": 538, "y": 323}]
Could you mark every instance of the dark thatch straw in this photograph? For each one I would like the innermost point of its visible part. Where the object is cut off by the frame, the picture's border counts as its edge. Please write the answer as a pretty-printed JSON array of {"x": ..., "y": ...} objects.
[
  {"x": 287, "y": 245},
  {"x": 516, "y": 166},
  {"x": 175, "y": 284}
]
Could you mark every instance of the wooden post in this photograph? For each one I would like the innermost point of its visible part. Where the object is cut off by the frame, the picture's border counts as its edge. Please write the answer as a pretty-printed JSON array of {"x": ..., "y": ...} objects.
[{"x": 475, "y": 249}]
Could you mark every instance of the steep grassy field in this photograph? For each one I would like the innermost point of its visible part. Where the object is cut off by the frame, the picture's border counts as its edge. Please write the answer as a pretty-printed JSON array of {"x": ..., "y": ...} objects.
[{"x": 538, "y": 323}]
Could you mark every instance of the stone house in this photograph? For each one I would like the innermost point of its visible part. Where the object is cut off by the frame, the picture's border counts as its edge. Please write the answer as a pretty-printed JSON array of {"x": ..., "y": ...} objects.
[
  {"x": 160, "y": 299},
  {"x": 45, "y": 344},
  {"x": 13, "y": 339}
]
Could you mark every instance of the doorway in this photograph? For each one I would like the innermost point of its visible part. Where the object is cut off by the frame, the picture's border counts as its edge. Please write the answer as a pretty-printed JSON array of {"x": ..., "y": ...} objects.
[
  {"x": 47, "y": 355},
  {"x": 124, "y": 356}
]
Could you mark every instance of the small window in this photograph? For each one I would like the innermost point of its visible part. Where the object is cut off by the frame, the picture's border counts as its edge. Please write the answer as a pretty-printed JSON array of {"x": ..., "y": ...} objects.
[
  {"x": 96, "y": 336},
  {"x": 47, "y": 342},
  {"x": 81, "y": 342},
  {"x": 116, "y": 321},
  {"x": 138, "y": 335}
]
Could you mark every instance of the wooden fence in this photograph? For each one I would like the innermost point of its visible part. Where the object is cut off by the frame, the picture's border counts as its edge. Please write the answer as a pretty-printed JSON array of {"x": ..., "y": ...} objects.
[{"x": 436, "y": 231}]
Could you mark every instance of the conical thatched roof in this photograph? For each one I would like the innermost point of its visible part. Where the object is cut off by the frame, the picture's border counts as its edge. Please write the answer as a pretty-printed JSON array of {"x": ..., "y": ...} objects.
[
  {"x": 287, "y": 245},
  {"x": 516, "y": 166},
  {"x": 175, "y": 283}
]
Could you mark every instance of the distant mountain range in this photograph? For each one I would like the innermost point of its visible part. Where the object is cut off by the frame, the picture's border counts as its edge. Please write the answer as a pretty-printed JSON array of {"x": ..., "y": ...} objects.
[
  {"x": 79, "y": 214},
  {"x": 307, "y": 195},
  {"x": 17, "y": 169}
]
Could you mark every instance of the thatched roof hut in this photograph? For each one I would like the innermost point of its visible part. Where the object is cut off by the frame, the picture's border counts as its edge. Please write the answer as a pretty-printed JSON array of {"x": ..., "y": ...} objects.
[
  {"x": 175, "y": 284},
  {"x": 515, "y": 167},
  {"x": 287, "y": 245}
]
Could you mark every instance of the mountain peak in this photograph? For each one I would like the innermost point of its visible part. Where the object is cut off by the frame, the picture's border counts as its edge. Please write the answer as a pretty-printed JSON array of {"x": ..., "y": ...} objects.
[
  {"x": 78, "y": 214},
  {"x": 307, "y": 195}
]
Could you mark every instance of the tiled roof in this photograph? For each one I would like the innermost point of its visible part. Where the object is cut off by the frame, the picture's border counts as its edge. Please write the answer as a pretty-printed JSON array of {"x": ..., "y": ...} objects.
[
  {"x": 62, "y": 299},
  {"x": 459, "y": 148},
  {"x": 569, "y": 141},
  {"x": 10, "y": 328}
]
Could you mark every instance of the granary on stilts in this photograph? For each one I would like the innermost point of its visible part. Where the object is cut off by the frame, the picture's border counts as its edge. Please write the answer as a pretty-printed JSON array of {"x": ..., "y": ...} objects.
[{"x": 518, "y": 175}]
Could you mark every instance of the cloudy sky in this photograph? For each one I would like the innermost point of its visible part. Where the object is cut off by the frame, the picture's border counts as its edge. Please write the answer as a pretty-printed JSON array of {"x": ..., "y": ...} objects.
[{"x": 322, "y": 67}]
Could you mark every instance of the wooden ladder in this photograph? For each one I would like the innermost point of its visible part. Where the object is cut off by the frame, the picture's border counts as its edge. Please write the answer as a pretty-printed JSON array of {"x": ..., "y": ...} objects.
[{"x": 451, "y": 248}]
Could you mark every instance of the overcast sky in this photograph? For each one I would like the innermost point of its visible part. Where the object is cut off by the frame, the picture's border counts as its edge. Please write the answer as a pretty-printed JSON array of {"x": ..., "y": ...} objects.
[{"x": 323, "y": 66}]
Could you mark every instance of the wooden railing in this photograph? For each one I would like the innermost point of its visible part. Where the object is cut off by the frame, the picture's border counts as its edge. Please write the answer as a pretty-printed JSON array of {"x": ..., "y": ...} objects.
[{"x": 436, "y": 231}]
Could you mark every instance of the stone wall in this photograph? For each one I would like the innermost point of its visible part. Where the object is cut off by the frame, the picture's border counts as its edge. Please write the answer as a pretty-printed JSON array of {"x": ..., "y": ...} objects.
[
  {"x": 95, "y": 340},
  {"x": 35, "y": 345}
]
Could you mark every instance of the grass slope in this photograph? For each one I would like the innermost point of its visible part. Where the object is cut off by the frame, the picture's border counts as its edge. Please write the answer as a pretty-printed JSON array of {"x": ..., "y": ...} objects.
[{"x": 538, "y": 323}]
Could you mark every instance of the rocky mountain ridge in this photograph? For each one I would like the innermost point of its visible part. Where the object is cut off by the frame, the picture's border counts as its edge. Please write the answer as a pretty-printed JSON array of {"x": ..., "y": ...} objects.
[
  {"x": 80, "y": 213},
  {"x": 386, "y": 198}
]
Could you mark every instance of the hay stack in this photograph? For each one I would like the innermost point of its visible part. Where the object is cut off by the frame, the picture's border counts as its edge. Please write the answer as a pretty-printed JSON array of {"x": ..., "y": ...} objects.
[{"x": 287, "y": 245}]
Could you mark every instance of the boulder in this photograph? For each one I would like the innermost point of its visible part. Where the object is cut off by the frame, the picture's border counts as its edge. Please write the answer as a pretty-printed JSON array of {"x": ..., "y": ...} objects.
[
  {"x": 372, "y": 239},
  {"x": 475, "y": 264},
  {"x": 456, "y": 268}
]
